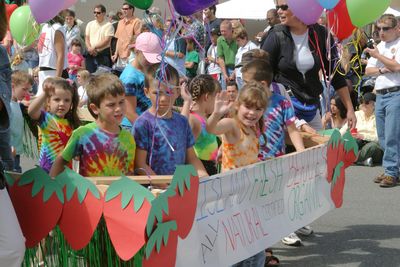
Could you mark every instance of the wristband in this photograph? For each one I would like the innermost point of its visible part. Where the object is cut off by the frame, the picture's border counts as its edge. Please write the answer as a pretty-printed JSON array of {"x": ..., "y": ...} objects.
[{"x": 380, "y": 71}]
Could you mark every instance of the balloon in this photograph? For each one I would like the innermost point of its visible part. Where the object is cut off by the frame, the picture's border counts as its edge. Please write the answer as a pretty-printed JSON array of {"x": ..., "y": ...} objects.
[
  {"x": 189, "y": 7},
  {"x": 363, "y": 12},
  {"x": 308, "y": 11},
  {"x": 24, "y": 29},
  {"x": 44, "y": 10},
  {"x": 10, "y": 9},
  {"x": 328, "y": 4},
  {"x": 142, "y": 4},
  {"x": 68, "y": 3},
  {"x": 340, "y": 22}
]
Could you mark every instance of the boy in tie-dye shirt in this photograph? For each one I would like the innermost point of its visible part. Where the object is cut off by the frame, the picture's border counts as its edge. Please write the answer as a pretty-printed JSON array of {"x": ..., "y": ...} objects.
[{"x": 103, "y": 148}]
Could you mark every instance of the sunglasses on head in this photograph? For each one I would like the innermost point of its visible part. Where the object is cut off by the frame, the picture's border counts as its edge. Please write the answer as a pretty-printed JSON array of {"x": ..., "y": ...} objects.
[
  {"x": 283, "y": 7},
  {"x": 385, "y": 29}
]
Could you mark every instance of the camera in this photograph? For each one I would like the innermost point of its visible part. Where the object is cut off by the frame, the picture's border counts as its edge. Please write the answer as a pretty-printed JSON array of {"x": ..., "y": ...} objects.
[{"x": 370, "y": 44}]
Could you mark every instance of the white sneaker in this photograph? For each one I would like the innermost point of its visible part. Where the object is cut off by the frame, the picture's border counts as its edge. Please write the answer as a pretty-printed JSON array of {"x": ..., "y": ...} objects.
[
  {"x": 306, "y": 230},
  {"x": 291, "y": 240}
]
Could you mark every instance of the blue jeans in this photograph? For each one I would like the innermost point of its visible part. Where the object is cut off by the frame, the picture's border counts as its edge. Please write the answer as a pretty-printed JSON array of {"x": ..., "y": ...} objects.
[
  {"x": 257, "y": 260},
  {"x": 229, "y": 71},
  {"x": 387, "y": 112}
]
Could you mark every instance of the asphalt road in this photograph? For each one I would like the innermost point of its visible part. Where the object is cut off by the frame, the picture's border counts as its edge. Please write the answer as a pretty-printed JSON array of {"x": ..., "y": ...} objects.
[{"x": 365, "y": 231}]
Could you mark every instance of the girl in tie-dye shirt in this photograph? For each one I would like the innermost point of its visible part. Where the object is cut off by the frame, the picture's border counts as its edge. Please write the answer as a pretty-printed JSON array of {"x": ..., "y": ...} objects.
[
  {"x": 57, "y": 121},
  {"x": 203, "y": 90},
  {"x": 239, "y": 134}
]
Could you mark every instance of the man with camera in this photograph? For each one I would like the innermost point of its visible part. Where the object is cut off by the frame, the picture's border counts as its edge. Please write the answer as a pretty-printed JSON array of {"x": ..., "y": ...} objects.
[{"x": 385, "y": 64}]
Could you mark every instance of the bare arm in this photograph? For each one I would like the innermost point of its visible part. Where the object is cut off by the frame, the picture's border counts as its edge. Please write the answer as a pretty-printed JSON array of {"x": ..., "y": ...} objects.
[
  {"x": 131, "y": 103},
  {"x": 104, "y": 44},
  {"x": 390, "y": 63},
  {"x": 59, "y": 45},
  {"x": 191, "y": 158},
  {"x": 141, "y": 166},
  {"x": 58, "y": 166},
  {"x": 36, "y": 106},
  {"x": 295, "y": 137},
  {"x": 345, "y": 97}
]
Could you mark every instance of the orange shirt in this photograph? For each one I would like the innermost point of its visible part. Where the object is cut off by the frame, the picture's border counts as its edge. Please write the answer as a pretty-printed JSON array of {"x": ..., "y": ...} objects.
[
  {"x": 125, "y": 31},
  {"x": 243, "y": 153}
]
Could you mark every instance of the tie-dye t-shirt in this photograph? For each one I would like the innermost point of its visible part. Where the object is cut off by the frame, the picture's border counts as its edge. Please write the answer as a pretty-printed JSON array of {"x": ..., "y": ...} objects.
[
  {"x": 279, "y": 114},
  {"x": 206, "y": 146},
  {"x": 54, "y": 134},
  {"x": 101, "y": 153},
  {"x": 165, "y": 140}
]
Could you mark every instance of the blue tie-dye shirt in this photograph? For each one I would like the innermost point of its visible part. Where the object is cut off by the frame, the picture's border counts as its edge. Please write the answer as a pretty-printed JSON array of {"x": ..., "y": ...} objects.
[
  {"x": 165, "y": 140},
  {"x": 279, "y": 114}
]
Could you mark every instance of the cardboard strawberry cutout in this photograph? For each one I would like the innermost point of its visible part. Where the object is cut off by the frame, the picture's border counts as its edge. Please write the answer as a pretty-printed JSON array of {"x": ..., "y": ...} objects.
[
  {"x": 38, "y": 202},
  {"x": 126, "y": 208},
  {"x": 83, "y": 207},
  {"x": 342, "y": 152},
  {"x": 172, "y": 214}
]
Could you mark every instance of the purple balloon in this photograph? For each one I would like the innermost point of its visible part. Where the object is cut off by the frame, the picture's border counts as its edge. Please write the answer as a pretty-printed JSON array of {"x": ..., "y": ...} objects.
[
  {"x": 308, "y": 11},
  {"x": 189, "y": 7},
  {"x": 44, "y": 10}
]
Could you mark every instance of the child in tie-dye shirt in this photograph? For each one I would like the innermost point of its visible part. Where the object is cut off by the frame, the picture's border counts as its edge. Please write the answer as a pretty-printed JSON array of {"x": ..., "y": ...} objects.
[
  {"x": 203, "y": 90},
  {"x": 164, "y": 138},
  {"x": 58, "y": 121},
  {"x": 239, "y": 134},
  {"x": 103, "y": 148}
]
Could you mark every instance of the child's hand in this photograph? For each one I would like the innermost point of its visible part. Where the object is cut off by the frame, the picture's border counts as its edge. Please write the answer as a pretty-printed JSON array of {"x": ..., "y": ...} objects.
[
  {"x": 48, "y": 86},
  {"x": 185, "y": 92},
  {"x": 222, "y": 104}
]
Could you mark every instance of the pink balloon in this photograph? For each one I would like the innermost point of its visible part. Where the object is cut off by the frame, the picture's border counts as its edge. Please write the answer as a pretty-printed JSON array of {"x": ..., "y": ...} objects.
[
  {"x": 308, "y": 11},
  {"x": 44, "y": 10},
  {"x": 69, "y": 3}
]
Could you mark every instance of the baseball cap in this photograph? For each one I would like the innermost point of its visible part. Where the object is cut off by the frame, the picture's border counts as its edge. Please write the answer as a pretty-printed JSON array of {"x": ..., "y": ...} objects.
[
  {"x": 252, "y": 55},
  {"x": 149, "y": 44}
]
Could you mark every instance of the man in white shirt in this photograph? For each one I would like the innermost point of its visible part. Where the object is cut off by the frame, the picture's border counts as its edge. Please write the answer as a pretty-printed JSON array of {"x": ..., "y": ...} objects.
[
  {"x": 97, "y": 39},
  {"x": 385, "y": 64}
]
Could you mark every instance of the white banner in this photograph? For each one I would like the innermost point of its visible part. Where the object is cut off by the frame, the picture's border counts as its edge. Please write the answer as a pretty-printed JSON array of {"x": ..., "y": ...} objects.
[{"x": 244, "y": 211}]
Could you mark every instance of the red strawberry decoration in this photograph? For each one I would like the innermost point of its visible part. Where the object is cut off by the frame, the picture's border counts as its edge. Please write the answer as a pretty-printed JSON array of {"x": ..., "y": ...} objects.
[
  {"x": 162, "y": 246},
  {"x": 38, "y": 202},
  {"x": 172, "y": 214},
  {"x": 83, "y": 207},
  {"x": 126, "y": 209},
  {"x": 341, "y": 153}
]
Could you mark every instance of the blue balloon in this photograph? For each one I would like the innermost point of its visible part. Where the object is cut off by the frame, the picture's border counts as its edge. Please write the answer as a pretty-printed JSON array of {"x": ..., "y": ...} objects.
[{"x": 328, "y": 4}]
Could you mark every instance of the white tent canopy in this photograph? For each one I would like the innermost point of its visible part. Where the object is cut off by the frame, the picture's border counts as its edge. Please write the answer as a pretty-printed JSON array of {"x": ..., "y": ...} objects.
[
  {"x": 392, "y": 11},
  {"x": 244, "y": 9}
]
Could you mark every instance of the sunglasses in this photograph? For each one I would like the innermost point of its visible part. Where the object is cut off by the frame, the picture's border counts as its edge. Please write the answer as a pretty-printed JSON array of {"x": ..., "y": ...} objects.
[
  {"x": 283, "y": 7},
  {"x": 385, "y": 29},
  {"x": 126, "y": 8},
  {"x": 97, "y": 12}
]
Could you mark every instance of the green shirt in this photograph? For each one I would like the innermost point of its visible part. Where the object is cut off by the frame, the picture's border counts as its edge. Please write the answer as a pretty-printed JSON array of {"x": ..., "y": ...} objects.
[
  {"x": 227, "y": 51},
  {"x": 192, "y": 56}
]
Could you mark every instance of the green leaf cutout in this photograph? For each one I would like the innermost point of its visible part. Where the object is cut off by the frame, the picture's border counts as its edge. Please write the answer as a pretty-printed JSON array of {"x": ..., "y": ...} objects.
[
  {"x": 336, "y": 172},
  {"x": 41, "y": 180},
  {"x": 158, "y": 206},
  {"x": 350, "y": 143},
  {"x": 9, "y": 180},
  {"x": 73, "y": 181},
  {"x": 128, "y": 189},
  {"x": 159, "y": 236},
  {"x": 335, "y": 139},
  {"x": 182, "y": 177}
]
